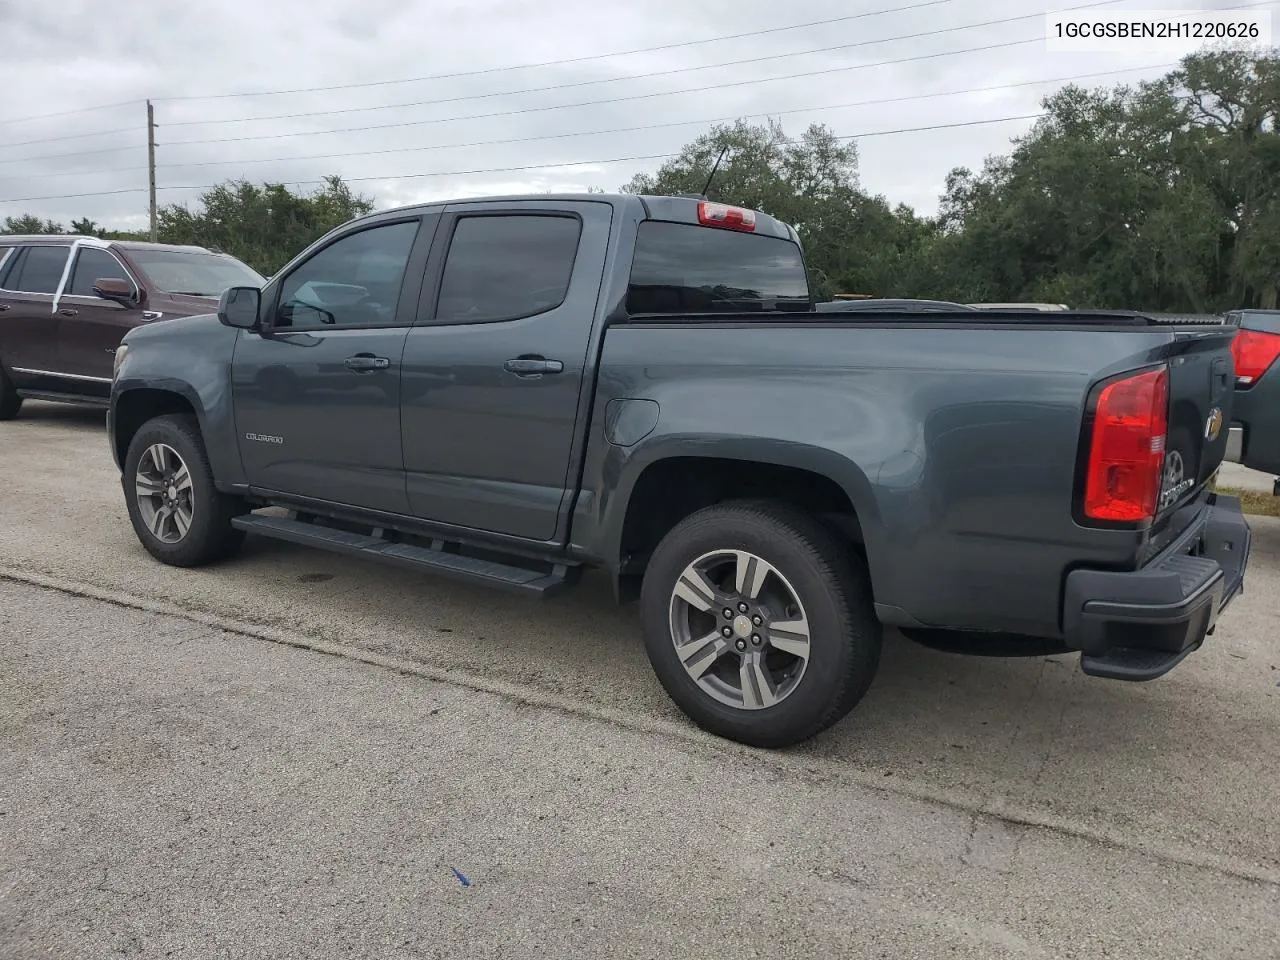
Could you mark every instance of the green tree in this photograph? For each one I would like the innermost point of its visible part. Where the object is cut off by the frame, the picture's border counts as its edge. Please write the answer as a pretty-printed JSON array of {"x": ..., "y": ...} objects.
[
  {"x": 1163, "y": 196},
  {"x": 86, "y": 227},
  {"x": 29, "y": 224},
  {"x": 265, "y": 226}
]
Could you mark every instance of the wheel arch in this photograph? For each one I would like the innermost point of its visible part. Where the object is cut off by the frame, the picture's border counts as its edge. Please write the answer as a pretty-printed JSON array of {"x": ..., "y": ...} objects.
[
  {"x": 664, "y": 483},
  {"x": 134, "y": 406}
]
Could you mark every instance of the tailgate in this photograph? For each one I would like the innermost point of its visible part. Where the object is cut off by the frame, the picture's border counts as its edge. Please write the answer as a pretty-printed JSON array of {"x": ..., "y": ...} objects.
[{"x": 1200, "y": 401}]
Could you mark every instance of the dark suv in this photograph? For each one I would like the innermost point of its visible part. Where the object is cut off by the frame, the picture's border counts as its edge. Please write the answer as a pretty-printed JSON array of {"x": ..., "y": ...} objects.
[{"x": 66, "y": 301}]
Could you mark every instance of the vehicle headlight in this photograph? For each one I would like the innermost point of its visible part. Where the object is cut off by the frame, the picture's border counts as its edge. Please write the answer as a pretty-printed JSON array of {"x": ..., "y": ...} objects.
[{"x": 120, "y": 355}]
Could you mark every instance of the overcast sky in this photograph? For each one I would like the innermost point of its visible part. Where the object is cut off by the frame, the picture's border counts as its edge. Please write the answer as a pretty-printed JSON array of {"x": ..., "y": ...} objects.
[{"x": 112, "y": 55}]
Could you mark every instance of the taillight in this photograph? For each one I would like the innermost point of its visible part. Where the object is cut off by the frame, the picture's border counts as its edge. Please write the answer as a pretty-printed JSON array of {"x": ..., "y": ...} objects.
[
  {"x": 722, "y": 215},
  {"x": 1126, "y": 450},
  {"x": 1254, "y": 352}
]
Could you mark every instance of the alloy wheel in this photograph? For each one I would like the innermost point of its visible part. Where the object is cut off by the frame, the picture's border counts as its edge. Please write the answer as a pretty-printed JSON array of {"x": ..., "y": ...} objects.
[
  {"x": 739, "y": 629},
  {"x": 164, "y": 493}
]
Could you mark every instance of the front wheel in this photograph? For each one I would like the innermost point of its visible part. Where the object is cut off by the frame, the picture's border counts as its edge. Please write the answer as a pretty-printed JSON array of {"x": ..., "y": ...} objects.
[
  {"x": 759, "y": 623},
  {"x": 176, "y": 510}
]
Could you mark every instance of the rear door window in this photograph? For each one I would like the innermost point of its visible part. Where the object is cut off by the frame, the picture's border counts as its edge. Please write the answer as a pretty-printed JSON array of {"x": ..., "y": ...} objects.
[
  {"x": 682, "y": 268},
  {"x": 505, "y": 267},
  {"x": 39, "y": 270}
]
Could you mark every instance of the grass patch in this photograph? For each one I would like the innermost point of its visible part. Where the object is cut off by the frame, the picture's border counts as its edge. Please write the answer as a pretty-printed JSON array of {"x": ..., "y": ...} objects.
[{"x": 1253, "y": 501}]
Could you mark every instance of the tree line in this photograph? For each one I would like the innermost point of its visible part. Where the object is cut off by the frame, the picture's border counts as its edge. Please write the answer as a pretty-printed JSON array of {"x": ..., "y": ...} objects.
[
  {"x": 263, "y": 225},
  {"x": 1160, "y": 196}
]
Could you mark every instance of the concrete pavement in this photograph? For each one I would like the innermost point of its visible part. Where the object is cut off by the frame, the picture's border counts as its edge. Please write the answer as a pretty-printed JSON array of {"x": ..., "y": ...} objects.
[
  {"x": 1242, "y": 478},
  {"x": 1078, "y": 793},
  {"x": 174, "y": 790}
]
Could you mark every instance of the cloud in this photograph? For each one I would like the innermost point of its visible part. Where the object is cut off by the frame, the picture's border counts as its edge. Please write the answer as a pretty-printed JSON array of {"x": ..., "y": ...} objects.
[{"x": 571, "y": 123}]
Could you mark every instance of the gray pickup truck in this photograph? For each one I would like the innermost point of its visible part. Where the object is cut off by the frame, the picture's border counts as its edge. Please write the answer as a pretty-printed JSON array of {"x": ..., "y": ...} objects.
[
  {"x": 508, "y": 391},
  {"x": 1256, "y": 408}
]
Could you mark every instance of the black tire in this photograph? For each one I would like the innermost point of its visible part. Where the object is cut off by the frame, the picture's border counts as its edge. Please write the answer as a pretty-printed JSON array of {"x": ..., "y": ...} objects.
[
  {"x": 210, "y": 536},
  {"x": 833, "y": 587},
  {"x": 10, "y": 402}
]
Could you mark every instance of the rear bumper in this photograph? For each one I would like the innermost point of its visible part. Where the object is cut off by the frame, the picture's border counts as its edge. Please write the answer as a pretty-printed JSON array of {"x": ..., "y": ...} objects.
[{"x": 1139, "y": 624}]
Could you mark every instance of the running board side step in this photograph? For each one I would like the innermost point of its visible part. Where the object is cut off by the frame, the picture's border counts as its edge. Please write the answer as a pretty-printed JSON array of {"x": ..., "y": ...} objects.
[{"x": 539, "y": 584}]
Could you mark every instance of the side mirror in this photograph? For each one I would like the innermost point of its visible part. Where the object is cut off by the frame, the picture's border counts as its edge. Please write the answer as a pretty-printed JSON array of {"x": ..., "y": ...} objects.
[
  {"x": 239, "y": 306},
  {"x": 115, "y": 289}
]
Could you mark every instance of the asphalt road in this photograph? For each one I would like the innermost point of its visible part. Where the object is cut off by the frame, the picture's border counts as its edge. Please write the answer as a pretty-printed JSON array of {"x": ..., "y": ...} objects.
[{"x": 183, "y": 772}]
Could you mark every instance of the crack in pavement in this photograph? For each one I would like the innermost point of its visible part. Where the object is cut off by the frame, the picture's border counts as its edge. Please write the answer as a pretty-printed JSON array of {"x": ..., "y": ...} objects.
[{"x": 807, "y": 768}]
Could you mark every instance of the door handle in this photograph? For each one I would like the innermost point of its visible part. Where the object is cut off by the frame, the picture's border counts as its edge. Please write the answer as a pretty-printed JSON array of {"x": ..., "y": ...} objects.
[
  {"x": 3, "y": 307},
  {"x": 532, "y": 366},
  {"x": 69, "y": 311},
  {"x": 366, "y": 362}
]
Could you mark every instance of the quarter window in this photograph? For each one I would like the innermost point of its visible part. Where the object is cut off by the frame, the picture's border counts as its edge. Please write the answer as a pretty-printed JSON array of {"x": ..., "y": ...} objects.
[
  {"x": 507, "y": 267},
  {"x": 91, "y": 266},
  {"x": 354, "y": 282},
  {"x": 39, "y": 271}
]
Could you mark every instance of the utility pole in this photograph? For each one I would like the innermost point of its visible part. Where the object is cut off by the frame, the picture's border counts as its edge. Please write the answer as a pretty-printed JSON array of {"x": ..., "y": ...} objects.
[{"x": 151, "y": 164}]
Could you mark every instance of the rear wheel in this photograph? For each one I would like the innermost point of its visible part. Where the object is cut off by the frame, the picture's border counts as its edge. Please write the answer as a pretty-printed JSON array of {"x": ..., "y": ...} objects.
[
  {"x": 759, "y": 623},
  {"x": 10, "y": 402},
  {"x": 177, "y": 513}
]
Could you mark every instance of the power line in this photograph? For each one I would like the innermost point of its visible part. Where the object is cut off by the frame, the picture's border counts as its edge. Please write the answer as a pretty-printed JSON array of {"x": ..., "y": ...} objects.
[
  {"x": 640, "y": 76},
  {"x": 491, "y": 70},
  {"x": 640, "y": 96},
  {"x": 525, "y": 168},
  {"x": 75, "y": 153},
  {"x": 71, "y": 136},
  {"x": 608, "y": 100},
  {"x": 68, "y": 113},
  {"x": 674, "y": 123},
  {"x": 588, "y": 133},
  {"x": 561, "y": 106},
  {"x": 569, "y": 60}
]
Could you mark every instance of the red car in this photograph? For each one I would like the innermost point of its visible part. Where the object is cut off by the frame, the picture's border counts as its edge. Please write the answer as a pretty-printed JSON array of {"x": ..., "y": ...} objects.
[{"x": 66, "y": 301}]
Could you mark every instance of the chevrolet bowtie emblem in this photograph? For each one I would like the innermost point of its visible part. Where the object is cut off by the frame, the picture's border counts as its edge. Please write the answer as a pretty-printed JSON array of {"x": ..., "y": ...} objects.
[{"x": 1213, "y": 426}]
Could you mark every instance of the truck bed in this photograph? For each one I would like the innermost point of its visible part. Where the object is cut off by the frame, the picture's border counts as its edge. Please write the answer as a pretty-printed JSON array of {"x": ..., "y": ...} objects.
[{"x": 958, "y": 438}]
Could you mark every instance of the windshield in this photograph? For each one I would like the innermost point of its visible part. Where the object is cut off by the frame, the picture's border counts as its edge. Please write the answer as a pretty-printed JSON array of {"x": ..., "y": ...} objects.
[{"x": 196, "y": 274}]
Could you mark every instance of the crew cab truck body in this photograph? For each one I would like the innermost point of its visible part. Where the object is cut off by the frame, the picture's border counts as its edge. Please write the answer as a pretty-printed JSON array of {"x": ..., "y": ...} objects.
[
  {"x": 1256, "y": 416},
  {"x": 510, "y": 390}
]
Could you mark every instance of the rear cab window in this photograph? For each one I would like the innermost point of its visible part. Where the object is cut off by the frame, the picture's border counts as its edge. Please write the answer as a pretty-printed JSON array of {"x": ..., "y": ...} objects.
[{"x": 690, "y": 268}]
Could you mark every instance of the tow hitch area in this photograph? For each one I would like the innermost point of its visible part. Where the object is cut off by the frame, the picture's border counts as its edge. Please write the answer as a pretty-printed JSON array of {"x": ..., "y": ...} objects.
[{"x": 1140, "y": 624}]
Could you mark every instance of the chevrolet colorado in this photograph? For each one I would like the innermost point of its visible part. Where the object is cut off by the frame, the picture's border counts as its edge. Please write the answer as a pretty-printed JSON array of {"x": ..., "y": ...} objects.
[{"x": 508, "y": 391}]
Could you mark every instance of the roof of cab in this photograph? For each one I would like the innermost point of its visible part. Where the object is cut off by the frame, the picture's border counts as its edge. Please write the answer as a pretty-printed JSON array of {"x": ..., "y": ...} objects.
[{"x": 675, "y": 209}]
